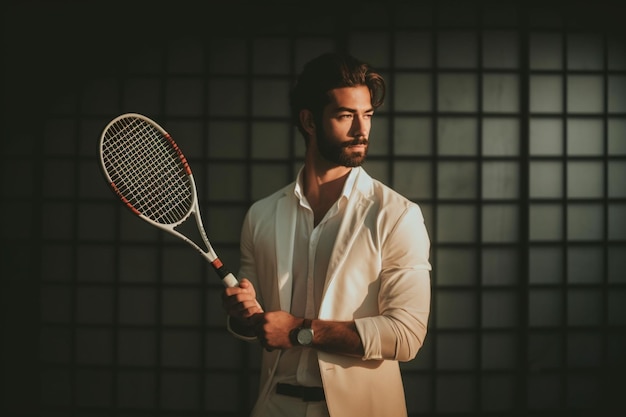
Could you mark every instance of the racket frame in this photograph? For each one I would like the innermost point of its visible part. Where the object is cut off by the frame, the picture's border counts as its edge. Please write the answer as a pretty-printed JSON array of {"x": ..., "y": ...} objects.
[{"x": 228, "y": 279}]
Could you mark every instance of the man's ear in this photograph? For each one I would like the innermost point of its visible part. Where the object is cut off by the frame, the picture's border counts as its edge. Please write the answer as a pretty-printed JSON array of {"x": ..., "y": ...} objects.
[{"x": 306, "y": 121}]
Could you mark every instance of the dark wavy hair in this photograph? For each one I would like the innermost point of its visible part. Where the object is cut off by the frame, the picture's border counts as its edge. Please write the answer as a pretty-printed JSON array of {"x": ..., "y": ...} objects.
[{"x": 327, "y": 72}]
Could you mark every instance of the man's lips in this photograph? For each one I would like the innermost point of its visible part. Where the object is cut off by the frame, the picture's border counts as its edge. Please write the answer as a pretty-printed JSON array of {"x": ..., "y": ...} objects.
[{"x": 356, "y": 144}]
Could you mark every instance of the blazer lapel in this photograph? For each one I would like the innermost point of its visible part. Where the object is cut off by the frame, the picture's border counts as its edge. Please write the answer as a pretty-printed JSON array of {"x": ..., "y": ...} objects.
[
  {"x": 285, "y": 231},
  {"x": 358, "y": 205}
]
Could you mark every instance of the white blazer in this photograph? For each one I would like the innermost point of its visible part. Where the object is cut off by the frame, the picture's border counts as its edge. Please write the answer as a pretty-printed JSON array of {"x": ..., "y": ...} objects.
[{"x": 378, "y": 275}]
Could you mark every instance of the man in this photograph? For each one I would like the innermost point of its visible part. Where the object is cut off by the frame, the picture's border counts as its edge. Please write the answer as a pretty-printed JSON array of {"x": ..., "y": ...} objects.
[{"x": 335, "y": 280}]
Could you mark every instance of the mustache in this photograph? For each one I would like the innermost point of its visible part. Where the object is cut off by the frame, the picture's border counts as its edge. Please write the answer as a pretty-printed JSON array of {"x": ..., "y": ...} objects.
[{"x": 355, "y": 142}]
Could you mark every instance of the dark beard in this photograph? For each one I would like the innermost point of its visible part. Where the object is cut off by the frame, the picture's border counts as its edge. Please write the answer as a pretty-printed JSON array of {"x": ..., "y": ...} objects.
[{"x": 339, "y": 154}]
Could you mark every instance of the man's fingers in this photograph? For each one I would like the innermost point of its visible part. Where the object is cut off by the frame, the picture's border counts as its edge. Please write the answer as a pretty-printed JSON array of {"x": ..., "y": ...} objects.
[
  {"x": 243, "y": 309},
  {"x": 244, "y": 283}
]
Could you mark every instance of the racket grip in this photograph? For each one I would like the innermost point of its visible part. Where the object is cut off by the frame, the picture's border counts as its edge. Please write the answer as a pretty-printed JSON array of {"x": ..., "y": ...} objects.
[{"x": 228, "y": 279}]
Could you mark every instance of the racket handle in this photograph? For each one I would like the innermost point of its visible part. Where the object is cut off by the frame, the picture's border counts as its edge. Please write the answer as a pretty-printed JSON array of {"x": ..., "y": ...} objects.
[{"x": 228, "y": 279}]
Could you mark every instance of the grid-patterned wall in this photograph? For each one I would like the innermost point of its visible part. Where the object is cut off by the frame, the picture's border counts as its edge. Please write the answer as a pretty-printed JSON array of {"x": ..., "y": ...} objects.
[{"x": 507, "y": 126}]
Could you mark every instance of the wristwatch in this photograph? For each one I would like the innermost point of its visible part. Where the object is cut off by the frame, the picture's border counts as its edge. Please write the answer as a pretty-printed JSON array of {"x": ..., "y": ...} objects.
[{"x": 304, "y": 334}]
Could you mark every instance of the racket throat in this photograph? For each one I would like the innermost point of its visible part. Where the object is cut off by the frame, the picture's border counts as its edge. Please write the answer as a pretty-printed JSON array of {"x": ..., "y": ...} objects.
[{"x": 190, "y": 231}]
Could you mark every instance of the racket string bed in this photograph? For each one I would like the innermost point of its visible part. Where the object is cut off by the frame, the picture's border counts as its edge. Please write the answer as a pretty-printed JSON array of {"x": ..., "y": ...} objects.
[
  {"x": 148, "y": 172},
  {"x": 151, "y": 176}
]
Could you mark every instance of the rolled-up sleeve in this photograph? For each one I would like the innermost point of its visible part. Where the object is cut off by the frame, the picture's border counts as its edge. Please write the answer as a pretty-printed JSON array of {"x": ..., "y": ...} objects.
[{"x": 398, "y": 332}]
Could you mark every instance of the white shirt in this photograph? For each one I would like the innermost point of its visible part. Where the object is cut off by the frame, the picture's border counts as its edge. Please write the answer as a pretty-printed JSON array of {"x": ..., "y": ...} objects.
[{"x": 313, "y": 246}]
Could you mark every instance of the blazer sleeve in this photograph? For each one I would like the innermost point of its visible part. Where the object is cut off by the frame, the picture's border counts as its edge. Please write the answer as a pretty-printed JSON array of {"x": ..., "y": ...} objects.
[
  {"x": 398, "y": 332},
  {"x": 247, "y": 268}
]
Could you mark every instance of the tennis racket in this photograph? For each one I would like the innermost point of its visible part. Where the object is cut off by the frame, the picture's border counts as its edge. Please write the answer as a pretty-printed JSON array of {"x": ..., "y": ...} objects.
[{"x": 149, "y": 173}]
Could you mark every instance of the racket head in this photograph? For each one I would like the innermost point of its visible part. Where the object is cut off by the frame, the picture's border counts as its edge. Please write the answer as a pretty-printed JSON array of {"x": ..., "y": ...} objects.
[{"x": 146, "y": 169}]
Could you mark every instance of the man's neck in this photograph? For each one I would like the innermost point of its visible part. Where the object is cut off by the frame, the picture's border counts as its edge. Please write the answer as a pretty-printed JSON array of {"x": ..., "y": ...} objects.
[{"x": 322, "y": 187}]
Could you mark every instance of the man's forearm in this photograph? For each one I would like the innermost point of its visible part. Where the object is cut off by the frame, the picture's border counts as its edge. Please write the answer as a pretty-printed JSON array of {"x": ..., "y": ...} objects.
[{"x": 337, "y": 337}]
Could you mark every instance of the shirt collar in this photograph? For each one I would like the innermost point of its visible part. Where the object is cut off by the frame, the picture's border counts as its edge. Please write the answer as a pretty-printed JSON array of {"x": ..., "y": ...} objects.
[{"x": 347, "y": 187}]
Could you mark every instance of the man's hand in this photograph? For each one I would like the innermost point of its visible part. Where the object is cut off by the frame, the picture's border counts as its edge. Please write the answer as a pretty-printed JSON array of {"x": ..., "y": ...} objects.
[
  {"x": 240, "y": 303},
  {"x": 273, "y": 329}
]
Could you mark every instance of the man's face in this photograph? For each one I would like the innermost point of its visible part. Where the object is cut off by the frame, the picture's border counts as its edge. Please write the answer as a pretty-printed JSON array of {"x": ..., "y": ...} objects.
[{"x": 346, "y": 123}]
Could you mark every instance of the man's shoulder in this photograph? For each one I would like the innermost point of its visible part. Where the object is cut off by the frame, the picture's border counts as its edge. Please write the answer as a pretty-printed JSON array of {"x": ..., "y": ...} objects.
[
  {"x": 387, "y": 195},
  {"x": 268, "y": 203}
]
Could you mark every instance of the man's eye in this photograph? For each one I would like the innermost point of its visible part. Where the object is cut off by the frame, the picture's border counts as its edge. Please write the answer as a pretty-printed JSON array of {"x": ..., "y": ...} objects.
[{"x": 345, "y": 116}]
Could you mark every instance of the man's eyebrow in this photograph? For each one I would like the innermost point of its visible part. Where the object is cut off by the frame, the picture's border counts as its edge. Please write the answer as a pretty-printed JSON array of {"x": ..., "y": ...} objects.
[{"x": 350, "y": 110}]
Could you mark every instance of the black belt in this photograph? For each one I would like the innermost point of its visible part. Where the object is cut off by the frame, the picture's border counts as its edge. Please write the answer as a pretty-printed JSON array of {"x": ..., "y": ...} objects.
[{"x": 299, "y": 391}]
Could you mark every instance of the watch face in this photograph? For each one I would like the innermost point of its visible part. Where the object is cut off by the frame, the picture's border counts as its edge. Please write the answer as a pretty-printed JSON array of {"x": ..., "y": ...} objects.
[{"x": 305, "y": 336}]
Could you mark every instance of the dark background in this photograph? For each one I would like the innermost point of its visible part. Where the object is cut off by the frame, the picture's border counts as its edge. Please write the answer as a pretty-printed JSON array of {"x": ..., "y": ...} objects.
[{"x": 52, "y": 47}]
